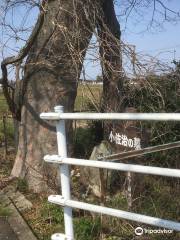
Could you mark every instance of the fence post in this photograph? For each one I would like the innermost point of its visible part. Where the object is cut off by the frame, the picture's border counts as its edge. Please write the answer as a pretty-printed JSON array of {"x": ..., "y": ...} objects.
[{"x": 64, "y": 175}]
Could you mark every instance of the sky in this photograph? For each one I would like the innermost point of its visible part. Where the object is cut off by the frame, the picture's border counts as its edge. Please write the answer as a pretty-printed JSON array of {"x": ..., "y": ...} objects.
[
  {"x": 162, "y": 39},
  {"x": 167, "y": 39}
]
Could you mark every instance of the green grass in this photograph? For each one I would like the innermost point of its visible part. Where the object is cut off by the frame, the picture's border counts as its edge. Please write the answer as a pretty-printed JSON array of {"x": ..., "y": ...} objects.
[{"x": 87, "y": 228}]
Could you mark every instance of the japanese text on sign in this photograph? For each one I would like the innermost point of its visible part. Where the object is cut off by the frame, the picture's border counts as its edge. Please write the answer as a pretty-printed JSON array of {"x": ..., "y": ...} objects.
[{"x": 122, "y": 139}]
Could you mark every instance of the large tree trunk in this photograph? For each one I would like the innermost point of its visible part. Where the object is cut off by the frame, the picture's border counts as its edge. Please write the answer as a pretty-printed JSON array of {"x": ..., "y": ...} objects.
[
  {"x": 111, "y": 58},
  {"x": 111, "y": 63},
  {"x": 52, "y": 69}
]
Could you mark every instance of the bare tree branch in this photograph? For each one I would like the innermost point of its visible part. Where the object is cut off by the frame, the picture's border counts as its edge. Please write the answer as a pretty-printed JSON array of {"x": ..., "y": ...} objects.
[{"x": 16, "y": 110}]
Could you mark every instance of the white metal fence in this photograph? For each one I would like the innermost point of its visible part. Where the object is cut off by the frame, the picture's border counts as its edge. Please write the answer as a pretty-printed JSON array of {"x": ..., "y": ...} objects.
[{"x": 65, "y": 199}]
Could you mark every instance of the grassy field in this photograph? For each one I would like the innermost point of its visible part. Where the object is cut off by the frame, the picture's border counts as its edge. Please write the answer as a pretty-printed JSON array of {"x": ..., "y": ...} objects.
[{"x": 88, "y": 97}]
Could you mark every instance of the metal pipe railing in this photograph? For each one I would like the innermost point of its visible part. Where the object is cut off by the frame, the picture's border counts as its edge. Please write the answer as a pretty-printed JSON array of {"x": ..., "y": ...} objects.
[
  {"x": 64, "y": 161},
  {"x": 57, "y": 199},
  {"x": 64, "y": 174},
  {"x": 168, "y": 172},
  {"x": 112, "y": 116}
]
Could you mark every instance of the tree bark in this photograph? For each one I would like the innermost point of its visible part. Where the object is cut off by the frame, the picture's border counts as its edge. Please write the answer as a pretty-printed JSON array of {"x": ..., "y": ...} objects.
[
  {"x": 52, "y": 69},
  {"x": 111, "y": 63},
  {"x": 111, "y": 58}
]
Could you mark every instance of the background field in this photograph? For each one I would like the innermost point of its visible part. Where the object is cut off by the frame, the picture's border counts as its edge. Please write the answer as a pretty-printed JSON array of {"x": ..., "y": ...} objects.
[{"x": 88, "y": 97}]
